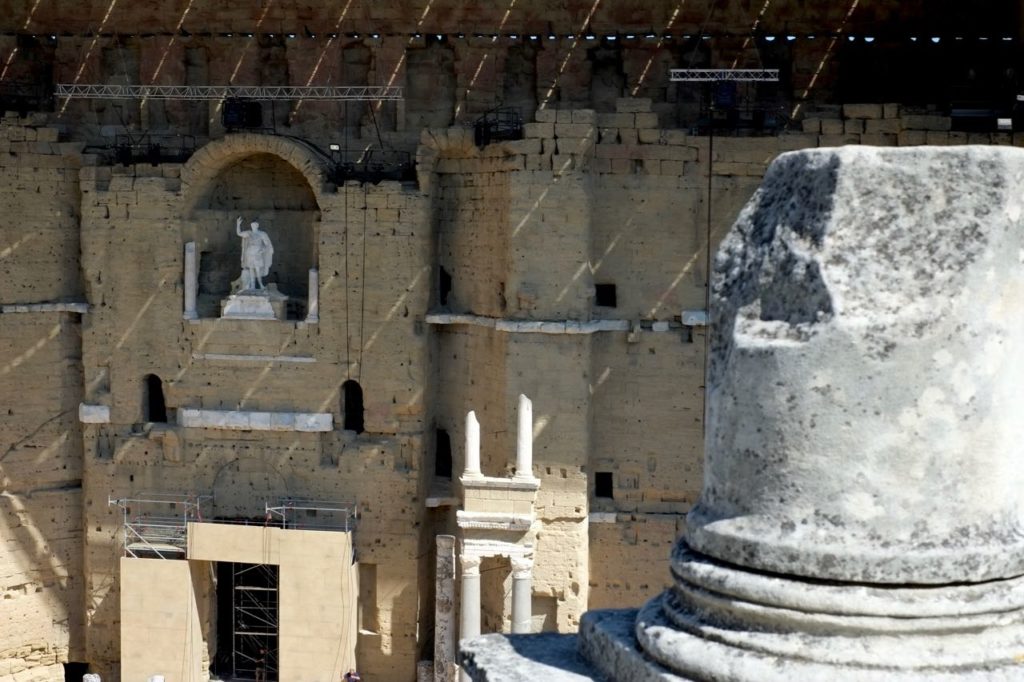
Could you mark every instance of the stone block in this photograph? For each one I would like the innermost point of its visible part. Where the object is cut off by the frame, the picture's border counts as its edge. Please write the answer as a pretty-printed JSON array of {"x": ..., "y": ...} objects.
[
  {"x": 811, "y": 125},
  {"x": 853, "y": 126},
  {"x": 832, "y": 126},
  {"x": 632, "y": 105},
  {"x": 909, "y": 138},
  {"x": 926, "y": 122},
  {"x": 546, "y": 115},
  {"x": 539, "y": 129},
  {"x": 884, "y": 125},
  {"x": 646, "y": 120},
  {"x": 584, "y": 116},
  {"x": 862, "y": 111}
]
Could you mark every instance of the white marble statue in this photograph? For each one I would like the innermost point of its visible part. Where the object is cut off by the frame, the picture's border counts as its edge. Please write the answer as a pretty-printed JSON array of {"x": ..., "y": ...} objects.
[{"x": 257, "y": 254}]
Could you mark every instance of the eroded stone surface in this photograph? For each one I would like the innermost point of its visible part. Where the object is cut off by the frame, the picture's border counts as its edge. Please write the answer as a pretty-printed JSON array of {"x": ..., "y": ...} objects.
[{"x": 866, "y": 373}]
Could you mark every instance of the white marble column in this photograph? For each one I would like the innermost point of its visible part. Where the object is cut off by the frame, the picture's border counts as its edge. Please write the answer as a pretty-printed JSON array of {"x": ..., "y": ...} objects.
[
  {"x": 191, "y": 281},
  {"x": 524, "y": 439},
  {"x": 472, "y": 446},
  {"x": 444, "y": 610},
  {"x": 313, "y": 298},
  {"x": 470, "y": 607},
  {"x": 522, "y": 594}
]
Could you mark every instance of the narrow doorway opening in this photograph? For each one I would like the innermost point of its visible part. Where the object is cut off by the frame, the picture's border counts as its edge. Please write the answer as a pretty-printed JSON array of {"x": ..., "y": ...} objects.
[
  {"x": 154, "y": 406},
  {"x": 352, "y": 406},
  {"x": 247, "y": 622},
  {"x": 444, "y": 285},
  {"x": 443, "y": 455}
]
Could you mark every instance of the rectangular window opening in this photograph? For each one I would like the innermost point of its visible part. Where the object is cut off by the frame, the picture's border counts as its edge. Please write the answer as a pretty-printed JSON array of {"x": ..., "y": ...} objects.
[
  {"x": 604, "y": 295},
  {"x": 603, "y": 484}
]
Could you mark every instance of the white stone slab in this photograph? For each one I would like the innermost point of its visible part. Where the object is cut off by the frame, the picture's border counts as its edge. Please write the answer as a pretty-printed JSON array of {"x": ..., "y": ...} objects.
[
  {"x": 93, "y": 414},
  {"x": 243, "y": 420}
]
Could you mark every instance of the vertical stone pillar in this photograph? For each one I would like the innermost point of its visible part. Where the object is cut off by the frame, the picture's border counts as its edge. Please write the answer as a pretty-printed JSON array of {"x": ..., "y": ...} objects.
[
  {"x": 524, "y": 439},
  {"x": 444, "y": 610},
  {"x": 522, "y": 594},
  {"x": 472, "y": 446},
  {"x": 313, "y": 298},
  {"x": 191, "y": 281},
  {"x": 469, "y": 625}
]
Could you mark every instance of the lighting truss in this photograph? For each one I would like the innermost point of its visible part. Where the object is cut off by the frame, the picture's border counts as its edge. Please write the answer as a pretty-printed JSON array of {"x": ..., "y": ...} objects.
[
  {"x": 219, "y": 92},
  {"x": 712, "y": 75}
]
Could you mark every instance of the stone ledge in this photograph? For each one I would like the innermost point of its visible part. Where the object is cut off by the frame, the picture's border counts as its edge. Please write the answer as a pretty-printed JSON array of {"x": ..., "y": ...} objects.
[
  {"x": 44, "y": 308},
  {"x": 512, "y": 658},
  {"x": 494, "y": 520},
  {"x": 232, "y": 357},
  {"x": 498, "y": 483},
  {"x": 237, "y": 420},
  {"x": 531, "y": 326}
]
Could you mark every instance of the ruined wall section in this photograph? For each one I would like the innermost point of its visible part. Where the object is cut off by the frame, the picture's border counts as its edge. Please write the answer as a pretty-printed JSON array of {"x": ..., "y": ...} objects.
[
  {"x": 371, "y": 246},
  {"x": 41, "y": 543}
]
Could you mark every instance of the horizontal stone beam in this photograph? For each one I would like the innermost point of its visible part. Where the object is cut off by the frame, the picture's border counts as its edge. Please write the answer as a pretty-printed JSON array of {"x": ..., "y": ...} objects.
[
  {"x": 44, "y": 308},
  {"x": 240, "y": 420}
]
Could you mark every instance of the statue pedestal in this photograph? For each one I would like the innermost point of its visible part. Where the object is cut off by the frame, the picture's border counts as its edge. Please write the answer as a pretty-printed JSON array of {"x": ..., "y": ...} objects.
[{"x": 255, "y": 304}]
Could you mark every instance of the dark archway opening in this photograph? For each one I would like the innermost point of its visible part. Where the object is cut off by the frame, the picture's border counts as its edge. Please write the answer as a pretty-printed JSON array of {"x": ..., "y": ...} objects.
[
  {"x": 73, "y": 672},
  {"x": 443, "y": 455},
  {"x": 154, "y": 405},
  {"x": 352, "y": 406}
]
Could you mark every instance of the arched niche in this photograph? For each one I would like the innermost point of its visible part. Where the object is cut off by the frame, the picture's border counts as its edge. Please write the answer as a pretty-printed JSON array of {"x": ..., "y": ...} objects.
[{"x": 259, "y": 186}]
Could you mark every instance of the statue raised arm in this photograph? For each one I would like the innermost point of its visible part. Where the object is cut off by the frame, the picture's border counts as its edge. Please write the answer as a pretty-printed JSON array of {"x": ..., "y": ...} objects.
[{"x": 257, "y": 254}]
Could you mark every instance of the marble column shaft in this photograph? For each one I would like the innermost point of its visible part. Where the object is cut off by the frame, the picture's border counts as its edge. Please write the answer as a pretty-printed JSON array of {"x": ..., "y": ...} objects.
[
  {"x": 522, "y": 595},
  {"x": 191, "y": 281},
  {"x": 313, "y": 297},
  {"x": 524, "y": 440},
  {"x": 444, "y": 610},
  {"x": 469, "y": 609},
  {"x": 472, "y": 446}
]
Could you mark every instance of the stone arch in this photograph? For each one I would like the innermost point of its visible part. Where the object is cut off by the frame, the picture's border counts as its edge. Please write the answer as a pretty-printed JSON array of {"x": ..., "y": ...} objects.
[
  {"x": 243, "y": 486},
  {"x": 276, "y": 181}
]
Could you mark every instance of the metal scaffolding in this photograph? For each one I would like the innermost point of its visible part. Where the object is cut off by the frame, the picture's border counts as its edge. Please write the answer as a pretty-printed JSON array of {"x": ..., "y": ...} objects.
[
  {"x": 715, "y": 75},
  {"x": 254, "y": 621},
  {"x": 156, "y": 524},
  {"x": 306, "y": 514},
  {"x": 219, "y": 92}
]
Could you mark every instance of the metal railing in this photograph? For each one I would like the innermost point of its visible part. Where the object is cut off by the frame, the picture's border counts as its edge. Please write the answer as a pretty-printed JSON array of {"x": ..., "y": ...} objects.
[
  {"x": 306, "y": 514},
  {"x": 218, "y": 92},
  {"x": 150, "y": 531}
]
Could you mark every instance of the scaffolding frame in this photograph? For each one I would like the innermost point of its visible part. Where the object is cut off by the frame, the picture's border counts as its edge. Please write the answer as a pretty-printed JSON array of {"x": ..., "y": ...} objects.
[
  {"x": 219, "y": 92},
  {"x": 339, "y": 516},
  {"x": 255, "y": 626},
  {"x": 149, "y": 530}
]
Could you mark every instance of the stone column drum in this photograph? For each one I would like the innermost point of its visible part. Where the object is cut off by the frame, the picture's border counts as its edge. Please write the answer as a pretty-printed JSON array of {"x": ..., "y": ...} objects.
[{"x": 861, "y": 514}]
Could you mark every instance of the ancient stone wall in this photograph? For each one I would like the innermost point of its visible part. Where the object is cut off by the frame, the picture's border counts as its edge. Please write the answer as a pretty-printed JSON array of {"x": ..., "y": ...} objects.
[{"x": 557, "y": 266}]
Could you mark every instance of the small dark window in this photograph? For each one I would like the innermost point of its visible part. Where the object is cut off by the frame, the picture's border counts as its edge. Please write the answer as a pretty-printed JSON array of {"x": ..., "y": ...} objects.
[
  {"x": 154, "y": 406},
  {"x": 443, "y": 455},
  {"x": 603, "y": 484},
  {"x": 352, "y": 406},
  {"x": 605, "y": 295},
  {"x": 444, "y": 285}
]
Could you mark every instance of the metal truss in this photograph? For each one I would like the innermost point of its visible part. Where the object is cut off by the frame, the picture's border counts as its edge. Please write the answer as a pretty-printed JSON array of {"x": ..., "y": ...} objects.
[
  {"x": 710, "y": 75},
  {"x": 219, "y": 92}
]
